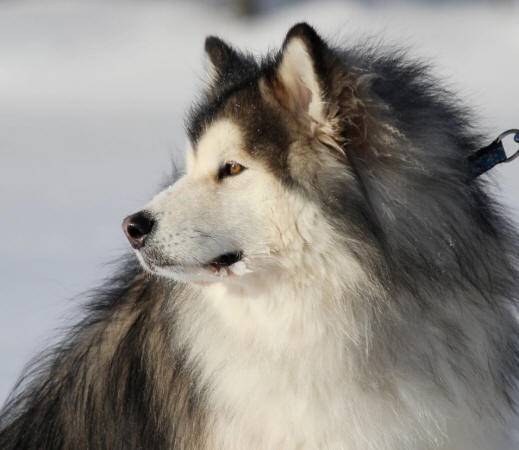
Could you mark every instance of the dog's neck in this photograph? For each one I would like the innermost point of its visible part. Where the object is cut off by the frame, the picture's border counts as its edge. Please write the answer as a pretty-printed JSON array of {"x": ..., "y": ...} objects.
[
  {"x": 311, "y": 292},
  {"x": 291, "y": 306},
  {"x": 279, "y": 344}
]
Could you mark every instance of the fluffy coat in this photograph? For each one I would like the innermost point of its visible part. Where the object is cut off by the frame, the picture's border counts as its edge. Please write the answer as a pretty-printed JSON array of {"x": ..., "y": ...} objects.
[{"x": 373, "y": 305}]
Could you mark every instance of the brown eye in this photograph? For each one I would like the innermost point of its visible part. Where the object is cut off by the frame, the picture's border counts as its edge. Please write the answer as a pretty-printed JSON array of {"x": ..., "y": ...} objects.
[{"x": 230, "y": 169}]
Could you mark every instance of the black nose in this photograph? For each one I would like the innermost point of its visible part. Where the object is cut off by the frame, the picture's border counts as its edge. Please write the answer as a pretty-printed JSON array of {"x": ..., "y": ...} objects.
[{"x": 137, "y": 227}]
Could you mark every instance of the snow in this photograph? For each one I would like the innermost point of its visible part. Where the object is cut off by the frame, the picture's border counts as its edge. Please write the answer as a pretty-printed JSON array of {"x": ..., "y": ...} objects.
[{"x": 93, "y": 96}]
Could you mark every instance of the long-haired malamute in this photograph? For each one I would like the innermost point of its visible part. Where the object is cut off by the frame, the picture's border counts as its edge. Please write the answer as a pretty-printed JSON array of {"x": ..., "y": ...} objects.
[{"x": 327, "y": 274}]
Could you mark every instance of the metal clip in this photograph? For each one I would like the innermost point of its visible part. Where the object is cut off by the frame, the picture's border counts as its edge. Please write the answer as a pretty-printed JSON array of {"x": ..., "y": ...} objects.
[{"x": 515, "y": 132}]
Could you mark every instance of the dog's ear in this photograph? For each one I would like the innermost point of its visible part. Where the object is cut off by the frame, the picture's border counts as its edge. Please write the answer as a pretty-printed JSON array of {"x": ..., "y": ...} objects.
[
  {"x": 222, "y": 59},
  {"x": 296, "y": 82}
]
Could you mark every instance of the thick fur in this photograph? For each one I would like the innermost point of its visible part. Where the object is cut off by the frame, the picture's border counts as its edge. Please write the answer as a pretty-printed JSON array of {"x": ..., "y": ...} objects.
[{"x": 374, "y": 305}]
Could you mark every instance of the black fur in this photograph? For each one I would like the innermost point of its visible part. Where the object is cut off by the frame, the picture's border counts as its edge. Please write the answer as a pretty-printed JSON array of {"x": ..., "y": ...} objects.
[
  {"x": 424, "y": 227},
  {"x": 97, "y": 388}
]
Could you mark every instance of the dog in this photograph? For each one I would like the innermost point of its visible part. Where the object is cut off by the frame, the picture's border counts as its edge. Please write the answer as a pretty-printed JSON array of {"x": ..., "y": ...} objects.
[{"x": 328, "y": 273}]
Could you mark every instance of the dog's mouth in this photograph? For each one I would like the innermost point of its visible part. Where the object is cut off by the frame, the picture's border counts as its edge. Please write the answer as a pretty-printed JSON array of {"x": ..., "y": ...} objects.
[
  {"x": 226, "y": 264},
  {"x": 224, "y": 261}
]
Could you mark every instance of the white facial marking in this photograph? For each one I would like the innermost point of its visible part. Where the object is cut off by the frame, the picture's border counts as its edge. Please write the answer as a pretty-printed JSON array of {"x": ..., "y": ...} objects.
[
  {"x": 201, "y": 217},
  {"x": 221, "y": 142}
]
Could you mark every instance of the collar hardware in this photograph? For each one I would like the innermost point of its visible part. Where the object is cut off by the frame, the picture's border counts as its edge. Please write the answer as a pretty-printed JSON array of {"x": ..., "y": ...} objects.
[{"x": 494, "y": 153}]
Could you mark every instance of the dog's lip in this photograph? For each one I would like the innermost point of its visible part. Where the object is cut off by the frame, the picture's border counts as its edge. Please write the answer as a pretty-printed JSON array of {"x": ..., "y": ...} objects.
[
  {"x": 223, "y": 266},
  {"x": 223, "y": 261}
]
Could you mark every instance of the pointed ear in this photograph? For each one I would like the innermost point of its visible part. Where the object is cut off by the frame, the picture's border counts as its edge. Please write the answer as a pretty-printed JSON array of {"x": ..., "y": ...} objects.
[
  {"x": 296, "y": 82},
  {"x": 222, "y": 58}
]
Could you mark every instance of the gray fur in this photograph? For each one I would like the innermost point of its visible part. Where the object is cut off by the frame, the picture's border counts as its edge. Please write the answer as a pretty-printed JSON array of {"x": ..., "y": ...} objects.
[{"x": 440, "y": 249}]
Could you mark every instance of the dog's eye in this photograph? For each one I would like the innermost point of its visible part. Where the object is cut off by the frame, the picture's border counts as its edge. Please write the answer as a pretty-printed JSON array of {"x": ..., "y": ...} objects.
[{"x": 230, "y": 169}]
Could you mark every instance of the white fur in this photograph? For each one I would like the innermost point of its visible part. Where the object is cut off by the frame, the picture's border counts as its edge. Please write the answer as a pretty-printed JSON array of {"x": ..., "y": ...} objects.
[{"x": 279, "y": 350}]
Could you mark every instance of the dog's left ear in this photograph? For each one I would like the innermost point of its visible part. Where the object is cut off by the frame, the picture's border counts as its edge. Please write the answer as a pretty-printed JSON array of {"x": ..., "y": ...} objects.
[{"x": 296, "y": 81}]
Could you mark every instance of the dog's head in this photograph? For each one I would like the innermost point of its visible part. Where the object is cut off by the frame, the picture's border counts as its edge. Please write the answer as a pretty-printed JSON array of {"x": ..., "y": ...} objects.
[
  {"x": 305, "y": 151},
  {"x": 265, "y": 143}
]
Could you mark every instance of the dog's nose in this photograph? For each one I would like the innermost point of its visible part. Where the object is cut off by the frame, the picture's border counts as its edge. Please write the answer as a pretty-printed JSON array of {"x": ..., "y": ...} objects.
[{"x": 137, "y": 227}]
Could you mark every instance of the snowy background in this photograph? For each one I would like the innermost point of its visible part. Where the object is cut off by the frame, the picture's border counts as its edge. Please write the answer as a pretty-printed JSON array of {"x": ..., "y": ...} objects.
[{"x": 92, "y": 100}]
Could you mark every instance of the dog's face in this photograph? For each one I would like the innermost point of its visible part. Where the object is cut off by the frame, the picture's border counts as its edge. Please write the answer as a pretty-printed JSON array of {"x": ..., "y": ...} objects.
[
  {"x": 222, "y": 217},
  {"x": 260, "y": 143}
]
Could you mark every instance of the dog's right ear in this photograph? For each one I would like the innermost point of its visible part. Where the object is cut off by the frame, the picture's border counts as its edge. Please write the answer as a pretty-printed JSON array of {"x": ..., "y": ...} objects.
[
  {"x": 222, "y": 60},
  {"x": 297, "y": 80}
]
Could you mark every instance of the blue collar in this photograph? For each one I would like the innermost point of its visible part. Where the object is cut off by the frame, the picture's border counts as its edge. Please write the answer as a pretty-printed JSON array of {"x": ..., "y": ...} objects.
[{"x": 493, "y": 154}]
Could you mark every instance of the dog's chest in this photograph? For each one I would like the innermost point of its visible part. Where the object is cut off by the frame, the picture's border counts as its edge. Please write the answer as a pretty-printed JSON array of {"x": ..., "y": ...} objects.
[
  {"x": 272, "y": 382},
  {"x": 257, "y": 401},
  {"x": 278, "y": 377}
]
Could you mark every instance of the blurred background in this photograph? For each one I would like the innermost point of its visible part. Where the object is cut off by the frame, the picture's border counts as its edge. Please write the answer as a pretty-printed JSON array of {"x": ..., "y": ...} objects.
[{"x": 92, "y": 101}]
